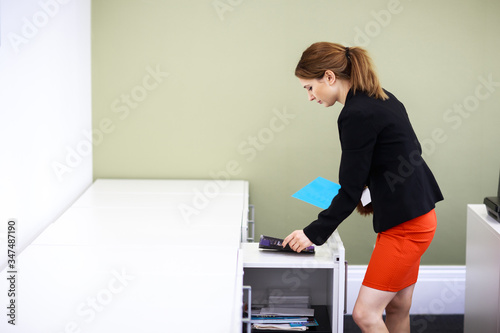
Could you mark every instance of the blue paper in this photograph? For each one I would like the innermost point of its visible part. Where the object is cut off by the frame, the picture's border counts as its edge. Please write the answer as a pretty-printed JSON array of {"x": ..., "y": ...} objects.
[{"x": 319, "y": 192}]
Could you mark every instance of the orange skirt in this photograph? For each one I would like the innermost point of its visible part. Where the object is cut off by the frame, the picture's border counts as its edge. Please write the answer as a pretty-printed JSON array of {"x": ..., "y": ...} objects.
[{"x": 396, "y": 258}]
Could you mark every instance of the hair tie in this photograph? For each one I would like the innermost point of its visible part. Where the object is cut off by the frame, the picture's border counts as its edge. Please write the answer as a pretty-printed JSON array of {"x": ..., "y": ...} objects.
[{"x": 348, "y": 56}]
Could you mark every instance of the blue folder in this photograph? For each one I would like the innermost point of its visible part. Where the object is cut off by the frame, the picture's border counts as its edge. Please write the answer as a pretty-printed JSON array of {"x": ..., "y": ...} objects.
[{"x": 319, "y": 192}]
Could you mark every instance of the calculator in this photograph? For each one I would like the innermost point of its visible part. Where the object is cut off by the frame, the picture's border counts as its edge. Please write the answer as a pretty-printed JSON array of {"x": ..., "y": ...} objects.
[{"x": 272, "y": 243}]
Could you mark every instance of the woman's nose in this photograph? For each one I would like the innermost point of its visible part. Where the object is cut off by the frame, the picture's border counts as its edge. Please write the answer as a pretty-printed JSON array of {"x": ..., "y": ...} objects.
[{"x": 311, "y": 96}]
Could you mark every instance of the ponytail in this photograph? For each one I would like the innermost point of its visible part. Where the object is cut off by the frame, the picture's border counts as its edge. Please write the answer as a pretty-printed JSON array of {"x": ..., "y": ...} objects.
[{"x": 347, "y": 63}]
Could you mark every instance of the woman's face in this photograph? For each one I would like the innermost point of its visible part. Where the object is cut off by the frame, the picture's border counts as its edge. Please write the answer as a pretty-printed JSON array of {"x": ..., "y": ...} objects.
[{"x": 322, "y": 90}]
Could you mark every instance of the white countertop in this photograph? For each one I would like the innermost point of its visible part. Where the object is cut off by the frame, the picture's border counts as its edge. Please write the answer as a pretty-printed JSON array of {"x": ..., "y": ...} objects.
[{"x": 480, "y": 210}]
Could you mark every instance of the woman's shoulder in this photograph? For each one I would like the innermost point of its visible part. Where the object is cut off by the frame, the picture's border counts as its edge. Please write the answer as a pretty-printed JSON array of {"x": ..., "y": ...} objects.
[
  {"x": 356, "y": 114},
  {"x": 362, "y": 102},
  {"x": 370, "y": 111},
  {"x": 360, "y": 96}
]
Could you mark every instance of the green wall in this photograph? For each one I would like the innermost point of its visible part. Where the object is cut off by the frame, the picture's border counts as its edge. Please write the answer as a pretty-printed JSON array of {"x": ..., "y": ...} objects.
[{"x": 199, "y": 89}]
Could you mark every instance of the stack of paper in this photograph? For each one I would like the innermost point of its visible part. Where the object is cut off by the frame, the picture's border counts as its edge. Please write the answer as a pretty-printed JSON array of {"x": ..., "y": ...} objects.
[
  {"x": 286, "y": 310},
  {"x": 282, "y": 322},
  {"x": 289, "y": 299},
  {"x": 279, "y": 327}
]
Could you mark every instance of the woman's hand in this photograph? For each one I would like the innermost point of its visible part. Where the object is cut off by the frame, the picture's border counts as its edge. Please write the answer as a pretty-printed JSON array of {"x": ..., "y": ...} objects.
[{"x": 297, "y": 240}]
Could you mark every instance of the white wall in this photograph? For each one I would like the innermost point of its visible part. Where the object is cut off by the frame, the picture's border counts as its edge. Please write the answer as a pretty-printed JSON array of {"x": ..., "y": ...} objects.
[{"x": 45, "y": 112}]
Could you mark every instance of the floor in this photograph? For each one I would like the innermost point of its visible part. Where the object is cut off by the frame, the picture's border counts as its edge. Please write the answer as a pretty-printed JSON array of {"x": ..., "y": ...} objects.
[{"x": 421, "y": 324}]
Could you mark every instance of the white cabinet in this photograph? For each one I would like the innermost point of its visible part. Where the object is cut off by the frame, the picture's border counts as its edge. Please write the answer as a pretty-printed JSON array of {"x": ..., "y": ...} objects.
[
  {"x": 159, "y": 256},
  {"x": 482, "y": 288},
  {"x": 137, "y": 256},
  {"x": 321, "y": 274}
]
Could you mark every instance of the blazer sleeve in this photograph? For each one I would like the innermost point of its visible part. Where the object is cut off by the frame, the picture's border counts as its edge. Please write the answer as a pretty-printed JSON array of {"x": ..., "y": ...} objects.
[{"x": 357, "y": 138}]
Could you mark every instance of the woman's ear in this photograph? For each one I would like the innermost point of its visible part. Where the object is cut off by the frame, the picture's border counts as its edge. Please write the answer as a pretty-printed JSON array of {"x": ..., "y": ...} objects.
[{"x": 330, "y": 76}]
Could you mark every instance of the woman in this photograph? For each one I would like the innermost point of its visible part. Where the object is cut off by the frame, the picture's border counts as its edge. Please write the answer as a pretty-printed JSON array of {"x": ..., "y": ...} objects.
[{"x": 380, "y": 151}]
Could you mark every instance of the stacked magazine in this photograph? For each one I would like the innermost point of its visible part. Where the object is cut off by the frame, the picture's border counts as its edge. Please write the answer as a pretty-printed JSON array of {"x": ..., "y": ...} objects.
[{"x": 286, "y": 310}]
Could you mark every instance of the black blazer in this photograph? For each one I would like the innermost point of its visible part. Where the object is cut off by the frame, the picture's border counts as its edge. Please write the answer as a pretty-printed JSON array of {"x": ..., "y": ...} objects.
[{"x": 379, "y": 150}]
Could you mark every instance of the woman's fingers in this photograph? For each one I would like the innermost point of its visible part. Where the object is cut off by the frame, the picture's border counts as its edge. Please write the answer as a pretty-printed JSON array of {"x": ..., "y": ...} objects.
[{"x": 297, "y": 241}]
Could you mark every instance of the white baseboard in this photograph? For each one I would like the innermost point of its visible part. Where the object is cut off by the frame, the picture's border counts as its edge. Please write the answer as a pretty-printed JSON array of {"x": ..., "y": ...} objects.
[{"x": 439, "y": 290}]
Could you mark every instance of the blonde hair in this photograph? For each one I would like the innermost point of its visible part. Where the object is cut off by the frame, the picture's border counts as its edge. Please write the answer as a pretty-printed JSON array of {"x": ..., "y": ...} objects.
[{"x": 348, "y": 63}]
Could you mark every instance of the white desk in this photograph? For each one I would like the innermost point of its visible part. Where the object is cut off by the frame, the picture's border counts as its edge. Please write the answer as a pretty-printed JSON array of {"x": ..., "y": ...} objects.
[
  {"x": 124, "y": 258},
  {"x": 482, "y": 288}
]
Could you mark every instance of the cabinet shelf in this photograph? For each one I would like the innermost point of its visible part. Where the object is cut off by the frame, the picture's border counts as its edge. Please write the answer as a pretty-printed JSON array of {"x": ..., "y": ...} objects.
[{"x": 321, "y": 316}]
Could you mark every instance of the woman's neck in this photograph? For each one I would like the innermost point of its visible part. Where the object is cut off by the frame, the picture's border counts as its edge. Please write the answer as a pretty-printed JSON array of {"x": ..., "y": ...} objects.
[{"x": 344, "y": 88}]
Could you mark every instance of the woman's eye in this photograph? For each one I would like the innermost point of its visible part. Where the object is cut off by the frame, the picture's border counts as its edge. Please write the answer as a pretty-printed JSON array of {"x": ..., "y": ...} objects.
[{"x": 310, "y": 88}]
